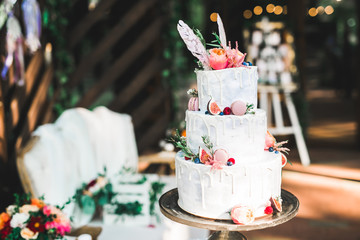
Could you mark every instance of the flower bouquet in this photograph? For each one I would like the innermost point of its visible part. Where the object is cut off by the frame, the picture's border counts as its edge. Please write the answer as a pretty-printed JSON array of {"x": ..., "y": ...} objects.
[
  {"x": 31, "y": 218},
  {"x": 94, "y": 195}
]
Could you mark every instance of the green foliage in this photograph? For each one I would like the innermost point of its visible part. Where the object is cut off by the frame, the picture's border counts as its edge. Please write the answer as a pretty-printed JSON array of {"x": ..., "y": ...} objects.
[
  {"x": 180, "y": 142},
  {"x": 55, "y": 23},
  {"x": 156, "y": 189},
  {"x": 131, "y": 208},
  {"x": 208, "y": 144}
]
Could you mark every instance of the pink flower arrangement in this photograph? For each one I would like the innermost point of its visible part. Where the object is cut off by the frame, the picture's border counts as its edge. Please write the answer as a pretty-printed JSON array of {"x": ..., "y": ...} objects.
[
  {"x": 33, "y": 219},
  {"x": 221, "y": 57}
]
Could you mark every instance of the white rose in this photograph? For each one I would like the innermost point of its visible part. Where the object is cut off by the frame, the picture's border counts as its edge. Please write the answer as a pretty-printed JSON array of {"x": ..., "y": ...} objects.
[
  {"x": 10, "y": 210},
  {"x": 19, "y": 219}
]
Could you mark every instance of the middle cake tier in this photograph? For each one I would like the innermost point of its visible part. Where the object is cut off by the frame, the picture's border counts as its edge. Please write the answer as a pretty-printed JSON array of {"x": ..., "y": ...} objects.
[{"x": 242, "y": 137}]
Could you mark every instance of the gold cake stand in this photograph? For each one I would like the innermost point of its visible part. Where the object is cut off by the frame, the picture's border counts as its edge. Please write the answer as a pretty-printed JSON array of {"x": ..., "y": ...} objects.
[{"x": 226, "y": 229}]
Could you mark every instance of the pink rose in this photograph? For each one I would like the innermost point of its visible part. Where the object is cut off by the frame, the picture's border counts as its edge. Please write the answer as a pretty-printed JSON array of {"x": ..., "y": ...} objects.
[
  {"x": 218, "y": 59},
  {"x": 242, "y": 215},
  {"x": 47, "y": 210}
]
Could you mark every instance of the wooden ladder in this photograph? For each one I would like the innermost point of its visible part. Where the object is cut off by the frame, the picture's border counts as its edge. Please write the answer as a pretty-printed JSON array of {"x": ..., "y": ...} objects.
[{"x": 269, "y": 99}]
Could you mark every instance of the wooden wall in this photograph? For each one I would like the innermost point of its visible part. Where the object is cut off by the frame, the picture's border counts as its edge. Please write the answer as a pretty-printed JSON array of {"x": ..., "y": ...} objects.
[{"x": 117, "y": 50}]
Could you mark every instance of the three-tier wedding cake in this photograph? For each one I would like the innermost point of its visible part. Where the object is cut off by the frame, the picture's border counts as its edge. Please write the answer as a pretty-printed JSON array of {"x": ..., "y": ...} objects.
[{"x": 229, "y": 166}]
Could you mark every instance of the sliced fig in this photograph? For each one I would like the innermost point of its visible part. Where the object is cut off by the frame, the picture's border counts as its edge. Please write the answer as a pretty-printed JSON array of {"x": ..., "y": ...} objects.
[
  {"x": 283, "y": 160},
  {"x": 213, "y": 108},
  {"x": 203, "y": 155},
  {"x": 276, "y": 203}
]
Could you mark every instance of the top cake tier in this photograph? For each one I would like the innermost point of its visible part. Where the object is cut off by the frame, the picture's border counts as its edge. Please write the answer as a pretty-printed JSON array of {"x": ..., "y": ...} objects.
[{"x": 227, "y": 86}]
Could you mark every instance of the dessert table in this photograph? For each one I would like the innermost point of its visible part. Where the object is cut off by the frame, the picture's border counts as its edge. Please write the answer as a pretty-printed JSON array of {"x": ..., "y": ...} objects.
[{"x": 226, "y": 229}]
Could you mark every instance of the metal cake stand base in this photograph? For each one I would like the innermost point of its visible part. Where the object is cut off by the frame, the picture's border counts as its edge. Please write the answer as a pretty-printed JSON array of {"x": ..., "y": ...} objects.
[{"x": 226, "y": 229}]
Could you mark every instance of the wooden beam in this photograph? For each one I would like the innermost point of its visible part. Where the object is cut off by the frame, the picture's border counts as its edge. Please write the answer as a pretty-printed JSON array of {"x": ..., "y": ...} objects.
[
  {"x": 140, "y": 80},
  {"x": 32, "y": 71},
  {"x": 35, "y": 108},
  {"x": 140, "y": 114},
  {"x": 3, "y": 135},
  {"x": 143, "y": 41},
  {"x": 130, "y": 18},
  {"x": 90, "y": 19}
]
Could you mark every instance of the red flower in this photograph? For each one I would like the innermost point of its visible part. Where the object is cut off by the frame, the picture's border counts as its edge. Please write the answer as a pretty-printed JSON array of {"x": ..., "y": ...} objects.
[
  {"x": 36, "y": 225},
  {"x": 90, "y": 184},
  {"x": 227, "y": 111},
  {"x": 6, "y": 230}
]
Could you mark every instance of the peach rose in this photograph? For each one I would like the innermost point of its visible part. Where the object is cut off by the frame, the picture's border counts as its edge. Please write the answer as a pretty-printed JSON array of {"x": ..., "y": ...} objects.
[
  {"x": 242, "y": 215},
  {"x": 218, "y": 59},
  {"x": 28, "y": 234},
  {"x": 269, "y": 140},
  {"x": 28, "y": 208}
]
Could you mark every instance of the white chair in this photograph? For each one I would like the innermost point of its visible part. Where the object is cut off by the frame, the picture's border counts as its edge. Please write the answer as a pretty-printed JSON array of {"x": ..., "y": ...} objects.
[
  {"x": 267, "y": 92},
  {"x": 73, "y": 150}
]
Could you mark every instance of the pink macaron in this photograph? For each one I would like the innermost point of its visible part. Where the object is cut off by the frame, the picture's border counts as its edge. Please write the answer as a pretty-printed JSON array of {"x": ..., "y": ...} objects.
[
  {"x": 238, "y": 108},
  {"x": 193, "y": 104}
]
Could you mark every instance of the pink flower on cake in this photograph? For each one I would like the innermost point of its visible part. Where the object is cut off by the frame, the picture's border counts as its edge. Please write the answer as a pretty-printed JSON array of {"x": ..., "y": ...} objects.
[
  {"x": 235, "y": 57},
  {"x": 218, "y": 59},
  {"x": 242, "y": 215}
]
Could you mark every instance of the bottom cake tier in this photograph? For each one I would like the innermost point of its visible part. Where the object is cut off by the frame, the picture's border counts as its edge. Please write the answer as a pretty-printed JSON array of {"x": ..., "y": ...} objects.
[{"x": 211, "y": 193}]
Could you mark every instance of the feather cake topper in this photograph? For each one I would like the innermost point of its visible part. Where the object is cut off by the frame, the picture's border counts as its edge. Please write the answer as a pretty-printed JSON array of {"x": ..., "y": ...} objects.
[
  {"x": 193, "y": 43},
  {"x": 220, "y": 57}
]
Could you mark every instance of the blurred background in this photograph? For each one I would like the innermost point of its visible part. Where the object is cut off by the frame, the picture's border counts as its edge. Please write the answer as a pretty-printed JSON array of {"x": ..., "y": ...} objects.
[{"x": 128, "y": 56}]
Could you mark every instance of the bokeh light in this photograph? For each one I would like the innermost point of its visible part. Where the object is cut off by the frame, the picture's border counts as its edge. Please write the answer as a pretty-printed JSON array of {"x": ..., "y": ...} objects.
[
  {"x": 270, "y": 8},
  {"x": 320, "y": 10},
  {"x": 329, "y": 10},
  {"x": 258, "y": 10},
  {"x": 247, "y": 14},
  {"x": 313, "y": 12},
  {"x": 213, "y": 17},
  {"x": 278, "y": 10},
  {"x": 285, "y": 9}
]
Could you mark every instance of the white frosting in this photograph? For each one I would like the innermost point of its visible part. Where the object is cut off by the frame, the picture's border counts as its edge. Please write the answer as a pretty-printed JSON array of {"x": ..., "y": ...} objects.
[
  {"x": 226, "y": 86},
  {"x": 243, "y": 137},
  {"x": 213, "y": 193}
]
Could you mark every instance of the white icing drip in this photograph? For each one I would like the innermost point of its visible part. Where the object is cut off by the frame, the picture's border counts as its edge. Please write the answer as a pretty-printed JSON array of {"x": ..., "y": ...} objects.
[
  {"x": 239, "y": 77},
  {"x": 220, "y": 85},
  {"x": 202, "y": 182}
]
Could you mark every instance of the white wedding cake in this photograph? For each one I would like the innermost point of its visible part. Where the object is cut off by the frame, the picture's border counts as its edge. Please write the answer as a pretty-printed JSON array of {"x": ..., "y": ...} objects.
[{"x": 229, "y": 166}]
